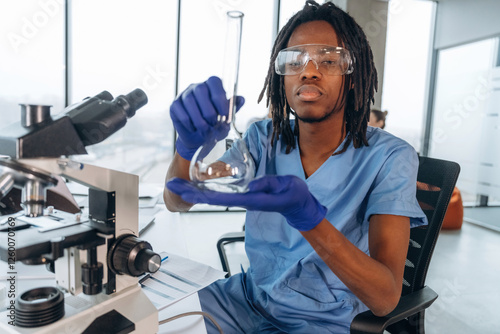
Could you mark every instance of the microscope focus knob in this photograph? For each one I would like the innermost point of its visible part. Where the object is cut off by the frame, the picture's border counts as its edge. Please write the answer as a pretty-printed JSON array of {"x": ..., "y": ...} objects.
[
  {"x": 148, "y": 261},
  {"x": 132, "y": 256}
]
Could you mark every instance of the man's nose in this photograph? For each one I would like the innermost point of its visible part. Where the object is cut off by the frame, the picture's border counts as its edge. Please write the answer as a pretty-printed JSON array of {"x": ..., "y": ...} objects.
[{"x": 311, "y": 69}]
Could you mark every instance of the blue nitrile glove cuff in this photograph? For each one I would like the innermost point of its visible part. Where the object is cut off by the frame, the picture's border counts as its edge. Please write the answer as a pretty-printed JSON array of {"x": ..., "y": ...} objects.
[
  {"x": 184, "y": 152},
  {"x": 307, "y": 217}
]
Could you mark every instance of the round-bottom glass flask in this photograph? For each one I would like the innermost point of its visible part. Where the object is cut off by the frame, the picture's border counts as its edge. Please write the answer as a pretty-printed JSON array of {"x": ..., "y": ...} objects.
[
  {"x": 226, "y": 165},
  {"x": 223, "y": 170}
]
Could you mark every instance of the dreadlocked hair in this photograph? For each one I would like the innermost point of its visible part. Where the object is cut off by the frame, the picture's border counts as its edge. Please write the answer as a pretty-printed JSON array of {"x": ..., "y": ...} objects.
[{"x": 358, "y": 89}]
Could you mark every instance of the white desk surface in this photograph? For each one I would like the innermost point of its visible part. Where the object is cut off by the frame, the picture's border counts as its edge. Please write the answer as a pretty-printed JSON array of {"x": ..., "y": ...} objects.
[{"x": 194, "y": 324}]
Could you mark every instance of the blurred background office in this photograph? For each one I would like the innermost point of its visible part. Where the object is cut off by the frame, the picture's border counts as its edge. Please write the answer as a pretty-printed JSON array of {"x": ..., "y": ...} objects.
[{"x": 438, "y": 65}]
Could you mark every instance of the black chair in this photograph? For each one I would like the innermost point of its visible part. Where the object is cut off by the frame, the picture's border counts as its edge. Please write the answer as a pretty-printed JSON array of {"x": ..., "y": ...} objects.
[
  {"x": 435, "y": 183},
  {"x": 222, "y": 242}
]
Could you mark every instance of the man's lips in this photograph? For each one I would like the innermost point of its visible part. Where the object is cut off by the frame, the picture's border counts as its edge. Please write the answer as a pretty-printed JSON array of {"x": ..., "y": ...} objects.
[{"x": 309, "y": 93}]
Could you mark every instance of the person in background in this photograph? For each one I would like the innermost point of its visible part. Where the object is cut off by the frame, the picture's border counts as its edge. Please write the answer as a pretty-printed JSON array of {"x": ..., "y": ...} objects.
[
  {"x": 332, "y": 203},
  {"x": 377, "y": 118}
]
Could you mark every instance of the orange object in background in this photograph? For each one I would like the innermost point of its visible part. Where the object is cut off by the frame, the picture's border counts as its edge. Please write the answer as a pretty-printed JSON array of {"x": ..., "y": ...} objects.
[{"x": 455, "y": 214}]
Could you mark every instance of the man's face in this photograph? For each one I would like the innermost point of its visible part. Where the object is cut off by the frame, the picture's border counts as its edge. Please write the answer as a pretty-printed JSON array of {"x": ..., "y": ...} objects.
[{"x": 313, "y": 95}]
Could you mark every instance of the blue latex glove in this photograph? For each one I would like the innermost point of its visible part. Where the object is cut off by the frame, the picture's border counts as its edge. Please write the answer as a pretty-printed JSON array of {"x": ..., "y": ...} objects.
[
  {"x": 194, "y": 114},
  {"x": 287, "y": 195}
]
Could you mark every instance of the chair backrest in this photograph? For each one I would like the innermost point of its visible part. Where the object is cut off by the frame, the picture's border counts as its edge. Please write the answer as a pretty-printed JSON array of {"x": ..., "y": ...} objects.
[{"x": 435, "y": 183}]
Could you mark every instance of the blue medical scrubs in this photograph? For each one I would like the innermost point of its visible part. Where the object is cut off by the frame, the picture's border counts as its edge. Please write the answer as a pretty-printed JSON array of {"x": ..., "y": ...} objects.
[{"x": 288, "y": 288}]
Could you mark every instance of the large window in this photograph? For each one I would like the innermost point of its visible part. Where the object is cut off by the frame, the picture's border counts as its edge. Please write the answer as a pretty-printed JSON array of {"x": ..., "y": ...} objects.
[
  {"x": 32, "y": 56},
  {"x": 118, "y": 45},
  {"x": 202, "y": 42},
  {"x": 407, "y": 66},
  {"x": 465, "y": 122}
]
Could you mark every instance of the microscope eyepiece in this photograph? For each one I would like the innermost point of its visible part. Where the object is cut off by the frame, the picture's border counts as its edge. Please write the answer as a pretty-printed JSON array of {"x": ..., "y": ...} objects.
[
  {"x": 98, "y": 117},
  {"x": 32, "y": 115},
  {"x": 136, "y": 99}
]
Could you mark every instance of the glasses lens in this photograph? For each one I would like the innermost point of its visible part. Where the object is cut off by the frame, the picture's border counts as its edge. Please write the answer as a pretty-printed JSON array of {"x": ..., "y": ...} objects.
[
  {"x": 329, "y": 60},
  {"x": 290, "y": 62}
]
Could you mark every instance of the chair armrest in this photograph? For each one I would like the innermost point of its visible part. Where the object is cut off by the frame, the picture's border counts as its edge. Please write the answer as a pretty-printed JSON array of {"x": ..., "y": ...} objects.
[
  {"x": 226, "y": 239},
  {"x": 413, "y": 303}
]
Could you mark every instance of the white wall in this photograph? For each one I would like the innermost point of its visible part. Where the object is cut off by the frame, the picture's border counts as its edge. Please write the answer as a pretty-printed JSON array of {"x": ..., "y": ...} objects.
[{"x": 463, "y": 21}]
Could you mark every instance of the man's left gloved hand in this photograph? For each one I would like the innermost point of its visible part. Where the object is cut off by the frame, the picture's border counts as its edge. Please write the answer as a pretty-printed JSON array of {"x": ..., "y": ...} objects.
[{"x": 286, "y": 194}]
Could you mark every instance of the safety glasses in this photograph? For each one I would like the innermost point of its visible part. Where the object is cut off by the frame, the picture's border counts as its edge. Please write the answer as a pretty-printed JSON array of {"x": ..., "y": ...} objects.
[{"x": 329, "y": 60}]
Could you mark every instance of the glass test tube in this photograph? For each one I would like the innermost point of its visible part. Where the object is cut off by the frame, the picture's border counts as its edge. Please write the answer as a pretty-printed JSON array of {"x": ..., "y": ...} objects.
[{"x": 232, "y": 60}]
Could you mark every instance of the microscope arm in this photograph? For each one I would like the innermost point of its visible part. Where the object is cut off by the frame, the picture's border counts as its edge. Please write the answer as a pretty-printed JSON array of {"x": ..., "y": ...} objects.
[{"x": 125, "y": 186}]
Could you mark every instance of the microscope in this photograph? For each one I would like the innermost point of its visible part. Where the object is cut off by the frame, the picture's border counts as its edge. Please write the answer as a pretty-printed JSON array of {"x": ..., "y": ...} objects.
[{"x": 96, "y": 257}]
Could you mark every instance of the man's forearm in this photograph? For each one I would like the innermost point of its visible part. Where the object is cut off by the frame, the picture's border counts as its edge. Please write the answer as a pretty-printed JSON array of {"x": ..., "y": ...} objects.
[
  {"x": 371, "y": 280},
  {"x": 178, "y": 168}
]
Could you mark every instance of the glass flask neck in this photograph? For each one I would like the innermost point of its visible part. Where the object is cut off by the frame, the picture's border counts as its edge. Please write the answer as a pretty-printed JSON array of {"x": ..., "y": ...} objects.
[{"x": 232, "y": 62}]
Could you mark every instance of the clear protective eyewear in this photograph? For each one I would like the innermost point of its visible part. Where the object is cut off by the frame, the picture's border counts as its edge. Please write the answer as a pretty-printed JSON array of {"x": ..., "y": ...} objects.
[{"x": 329, "y": 60}]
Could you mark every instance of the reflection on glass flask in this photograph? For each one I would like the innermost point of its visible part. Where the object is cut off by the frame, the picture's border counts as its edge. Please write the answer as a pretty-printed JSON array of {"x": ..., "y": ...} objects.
[{"x": 226, "y": 165}]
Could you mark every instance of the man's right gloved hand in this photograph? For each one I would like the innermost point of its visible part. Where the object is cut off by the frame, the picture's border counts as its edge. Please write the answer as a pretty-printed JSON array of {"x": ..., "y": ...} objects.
[{"x": 197, "y": 115}]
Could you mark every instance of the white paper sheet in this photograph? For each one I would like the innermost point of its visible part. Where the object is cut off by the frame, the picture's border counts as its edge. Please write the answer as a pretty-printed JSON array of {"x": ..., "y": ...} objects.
[{"x": 177, "y": 278}]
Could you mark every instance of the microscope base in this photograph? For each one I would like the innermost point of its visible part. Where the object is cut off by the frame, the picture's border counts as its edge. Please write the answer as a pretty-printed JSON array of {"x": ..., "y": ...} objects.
[{"x": 82, "y": 310}]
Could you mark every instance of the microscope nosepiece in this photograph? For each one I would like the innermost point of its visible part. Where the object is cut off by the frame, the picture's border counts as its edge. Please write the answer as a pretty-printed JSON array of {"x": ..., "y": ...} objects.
[{"x": 33, "y": 198}]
